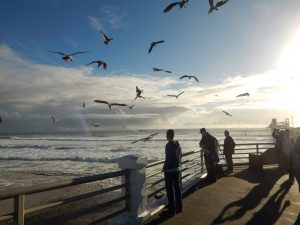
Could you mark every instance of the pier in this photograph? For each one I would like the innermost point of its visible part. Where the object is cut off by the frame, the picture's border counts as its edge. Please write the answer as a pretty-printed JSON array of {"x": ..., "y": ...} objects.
[{"x": 247, "y": 196}]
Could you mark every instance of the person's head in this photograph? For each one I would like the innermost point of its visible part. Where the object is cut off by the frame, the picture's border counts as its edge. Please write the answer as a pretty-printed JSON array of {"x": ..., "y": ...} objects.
[
  {"x": 287, "y": 132},
  {"x": 226, "y": 133},
  {"x": 203, "y": 131},
  {"x": 170, "y": 134},
  {"x": 297, "y": 145}
]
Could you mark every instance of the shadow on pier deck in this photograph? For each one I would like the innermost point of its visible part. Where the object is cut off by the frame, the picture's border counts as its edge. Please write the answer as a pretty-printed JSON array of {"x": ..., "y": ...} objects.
[{"x": 243, "y": 197}]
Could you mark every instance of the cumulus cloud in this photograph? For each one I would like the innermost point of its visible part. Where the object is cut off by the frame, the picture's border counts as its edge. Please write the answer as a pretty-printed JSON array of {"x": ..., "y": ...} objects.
[
  {"x": 27, "y": 87},
  {"x": 95, "y": 23}
]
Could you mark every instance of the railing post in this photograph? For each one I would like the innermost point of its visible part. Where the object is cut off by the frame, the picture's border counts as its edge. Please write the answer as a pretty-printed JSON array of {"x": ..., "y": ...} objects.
[
  {"x": 137, "y": 204},
  {"x": 257, "y": 149},
  {"x": 19, "y": 205},
  {"x": 201, "y": 161}
]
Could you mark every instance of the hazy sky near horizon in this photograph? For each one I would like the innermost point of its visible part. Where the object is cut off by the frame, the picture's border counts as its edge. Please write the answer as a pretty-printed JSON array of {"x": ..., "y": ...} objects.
[{"x": 245, "y": 46}]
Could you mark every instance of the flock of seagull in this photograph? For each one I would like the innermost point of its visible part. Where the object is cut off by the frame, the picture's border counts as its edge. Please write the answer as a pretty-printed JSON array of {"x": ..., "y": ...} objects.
[{"x": 106, "y": 40}]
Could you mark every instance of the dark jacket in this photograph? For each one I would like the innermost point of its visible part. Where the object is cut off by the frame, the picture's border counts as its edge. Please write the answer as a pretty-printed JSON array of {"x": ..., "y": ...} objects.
[
  {"x": 229, "y": 145},
  {"x": 173, "y": 156},
  {"x": 208, "y": 142}
]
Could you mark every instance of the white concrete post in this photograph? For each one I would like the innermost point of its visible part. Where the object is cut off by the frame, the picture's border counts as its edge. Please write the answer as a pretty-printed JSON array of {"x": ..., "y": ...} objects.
[{"x": 137, "y": 191}]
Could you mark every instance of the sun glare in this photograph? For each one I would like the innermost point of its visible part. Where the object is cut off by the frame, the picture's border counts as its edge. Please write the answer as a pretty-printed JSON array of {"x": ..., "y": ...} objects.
[{"x": 289, "y": 61}]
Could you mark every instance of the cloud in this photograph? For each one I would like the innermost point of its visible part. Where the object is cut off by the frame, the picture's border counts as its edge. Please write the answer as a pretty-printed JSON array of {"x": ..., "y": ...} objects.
[
  {"x": 27, "y": 87},
  {"x": 95, "y": 23},
  {"x": 115, "y": 16}
]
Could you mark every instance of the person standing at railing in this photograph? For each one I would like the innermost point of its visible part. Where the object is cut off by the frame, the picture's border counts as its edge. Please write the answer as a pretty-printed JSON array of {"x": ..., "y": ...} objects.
[
  {"x": 171, "y": 168},
  {"x": 278, "y": 136},
  {"x": 229, "y": 146},
  {"x": 296, "y": 160},
  {"x": 287, "y": 146},
  {"x": 208, "y": 145}
]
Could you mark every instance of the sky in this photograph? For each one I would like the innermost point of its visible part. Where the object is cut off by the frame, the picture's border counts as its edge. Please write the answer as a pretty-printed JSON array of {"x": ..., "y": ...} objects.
[{"x": 245, "y": 46}]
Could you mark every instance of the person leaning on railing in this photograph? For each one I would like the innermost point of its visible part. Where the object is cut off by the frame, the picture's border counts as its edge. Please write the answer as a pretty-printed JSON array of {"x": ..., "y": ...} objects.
[
  {"x": 296, "y": 160},
  {"x": 173, "y": 154}
]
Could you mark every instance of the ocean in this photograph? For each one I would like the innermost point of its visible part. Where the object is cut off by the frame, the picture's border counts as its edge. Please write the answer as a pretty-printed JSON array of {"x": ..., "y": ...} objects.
[{"x": 26, "y": 160}]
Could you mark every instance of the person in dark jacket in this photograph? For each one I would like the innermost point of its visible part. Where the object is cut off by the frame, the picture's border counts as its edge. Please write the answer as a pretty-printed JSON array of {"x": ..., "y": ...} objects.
[
  {"x": 172, "y": 174},
  {"x": 208, "y": 145},
  {"x": 229, "y": 146}
]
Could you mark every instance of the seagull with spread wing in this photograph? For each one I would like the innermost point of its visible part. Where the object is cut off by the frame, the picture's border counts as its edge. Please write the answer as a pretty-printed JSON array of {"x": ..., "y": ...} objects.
[
  {"x": 99, "y": 63},
  {"x": 109, "y": 104},
  {"x": 212, "y": 6},
  {"x": 158, "y": 70},
  {"x": 106, "y": 39},
  {"x": 226, "y": 113},
  {"x": 138, "y": 93},
  {"x": 184, "y": 76},
  {"x": 67, "y": 57},
  {"x": 244, "y": 94},
  {"x": 146, "y": 138},
  {"x": 54, "y": 119},
  {"x": 96, "y": 125},
  {"x": 181, "y": 4},
  {"x": 130, "y": 107},
  {"x": 176, "y": 95},
  {"x": 153, "y": 44}
]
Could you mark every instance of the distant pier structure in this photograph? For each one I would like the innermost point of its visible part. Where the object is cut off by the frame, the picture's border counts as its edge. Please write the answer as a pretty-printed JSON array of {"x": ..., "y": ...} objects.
[{"x": 279, "y": 125}]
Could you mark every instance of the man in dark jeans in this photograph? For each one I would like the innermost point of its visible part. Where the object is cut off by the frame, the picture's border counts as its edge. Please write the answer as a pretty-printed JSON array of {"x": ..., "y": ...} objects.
[
  {"x": 172, "y": 174},
  {"x": 229, "y": 146},
  {"x": 208, "y": 145}
]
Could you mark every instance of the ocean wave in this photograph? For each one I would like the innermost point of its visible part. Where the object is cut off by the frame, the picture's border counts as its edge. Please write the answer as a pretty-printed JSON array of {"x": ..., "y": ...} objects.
[{"x": 75, "y": 159}]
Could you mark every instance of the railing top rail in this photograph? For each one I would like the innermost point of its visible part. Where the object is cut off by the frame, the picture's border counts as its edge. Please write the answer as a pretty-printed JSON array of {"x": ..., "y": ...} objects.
[{"x": 60, "y": 184}]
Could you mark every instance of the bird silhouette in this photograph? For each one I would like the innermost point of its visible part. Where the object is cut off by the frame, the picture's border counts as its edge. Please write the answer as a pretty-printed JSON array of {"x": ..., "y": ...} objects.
[
  {"x": 158, "y": 70},
  {"x": 220, "y": 3},
  {"x": 196, "y": 79},
  {"x": 106, "y": 39},
  {"x": 83, "y": 105},
  {"x": 226, "y": 113},
  {"x": 146, "y": 138},
  {"x": 130, "y": 107},
  {"x": 96, "y": 124},
  {"x": 100, "y": 63},
  {"x": 176, "y": 95},
  {"x": 0, "y": 119},
  {"x": 181, "y": 4},
  {"x": 244, "y": 94},
  {"x": 138, "y": 93},
  {"x": 109, "y": 104},
  {"x": 153, "y": 44},
  {"x": 54, "y": 119},
  {"x": 67, "y": 57},
  {"x": 212, "y": 6}
]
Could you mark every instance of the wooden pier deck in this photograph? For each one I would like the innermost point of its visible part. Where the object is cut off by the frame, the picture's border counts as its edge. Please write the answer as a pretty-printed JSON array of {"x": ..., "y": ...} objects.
[{"x": 243, "y": 197}]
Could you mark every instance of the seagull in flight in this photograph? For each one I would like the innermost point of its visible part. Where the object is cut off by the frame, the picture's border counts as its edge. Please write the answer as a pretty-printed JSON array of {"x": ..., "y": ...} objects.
[
  {"x": 226, "y": 113},
  {"x": 244, "y": 94},
  {"x": 158, "y": 70},
  {"x": 109, "y": 104},
  {"x": 106, "y": 39},
  {"x": 196, "y": 79},
  {"x": 54, "y": 119},
  {"x": 67, "y": 57},
  {"x": 130, "y": 107},
  {"x": 146, "y": 138},
  {"x": 153, "y": 44},
  {"x": 181, "y": 4},
  {"x": 215, "y": 7},
  {"x": 100, "y": 63},
  {"x": 83, "y": 105},
  {"x": 96, "y": 124},
  {"x": 176, "y": 95},
  {"x": 138, "y": 93},
  {"x": 0, "y": 119}
]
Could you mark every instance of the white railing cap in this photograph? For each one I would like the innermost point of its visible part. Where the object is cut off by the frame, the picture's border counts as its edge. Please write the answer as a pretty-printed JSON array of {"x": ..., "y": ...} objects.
[{"x": 132, "y": 162}]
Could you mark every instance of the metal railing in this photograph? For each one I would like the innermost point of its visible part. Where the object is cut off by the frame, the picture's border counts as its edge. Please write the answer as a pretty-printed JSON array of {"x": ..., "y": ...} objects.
[
  {"x": 19, "y": 195},
  {"x": 194, "y": 166}
]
